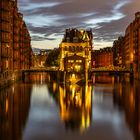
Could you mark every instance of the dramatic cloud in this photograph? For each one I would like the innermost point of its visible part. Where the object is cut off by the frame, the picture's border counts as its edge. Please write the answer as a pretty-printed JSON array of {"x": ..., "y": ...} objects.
[{"x": 48, "y": 19}]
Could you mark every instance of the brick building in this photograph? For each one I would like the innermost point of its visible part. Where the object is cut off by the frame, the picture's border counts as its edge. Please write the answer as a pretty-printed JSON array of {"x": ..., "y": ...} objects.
[
  {"x": 132, "y": 46},
  {"x": 129, "y": 47},
  {"x": 15, "y": 48},
  {"x": 136, "y": 38},
  {"x": 102, "y": 57},
  {"x": 125, "y": 51}
]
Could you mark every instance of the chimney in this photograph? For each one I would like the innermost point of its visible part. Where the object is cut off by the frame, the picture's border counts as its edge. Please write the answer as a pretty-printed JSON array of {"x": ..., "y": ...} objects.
[{"x": 137, "y": 15}]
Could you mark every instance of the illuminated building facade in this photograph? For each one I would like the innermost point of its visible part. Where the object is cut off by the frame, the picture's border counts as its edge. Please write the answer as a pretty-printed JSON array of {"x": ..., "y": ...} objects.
[
  {"x": 102, "y": 57},
  {"x": 15, "y": 48},
  {"x": 132, "y": 46},
  {"x": 75, "y": 50},
  {"x": 129, "y": 47}
]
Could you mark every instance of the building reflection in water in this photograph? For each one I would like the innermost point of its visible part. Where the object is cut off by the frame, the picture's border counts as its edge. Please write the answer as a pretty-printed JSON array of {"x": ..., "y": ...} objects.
[
  {"x": 76, "y": 106},
  {"x": 14, "y": 108},
  {"x": 102, "y": 79},
  {"x": 75, "y": 101},
  {"x": 37, "y": 77},
  {"x": 127, "y": 98}
]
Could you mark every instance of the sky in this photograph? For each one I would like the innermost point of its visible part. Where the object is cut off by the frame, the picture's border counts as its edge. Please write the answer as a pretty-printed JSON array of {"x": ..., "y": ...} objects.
[{"x": 48, "y": 19}]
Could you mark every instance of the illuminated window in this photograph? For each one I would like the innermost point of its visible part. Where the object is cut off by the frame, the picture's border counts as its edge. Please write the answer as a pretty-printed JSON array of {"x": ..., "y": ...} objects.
[
  {"x": 79, "y": 61},
  {"x": 7, "y": 65},
  {"x": 70, "y": 61}
]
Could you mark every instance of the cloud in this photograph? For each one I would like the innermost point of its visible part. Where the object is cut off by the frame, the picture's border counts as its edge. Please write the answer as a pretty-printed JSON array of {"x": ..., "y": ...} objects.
[
  {"x": 48, "y": 19},
  {"x": 41, "y": 38}
]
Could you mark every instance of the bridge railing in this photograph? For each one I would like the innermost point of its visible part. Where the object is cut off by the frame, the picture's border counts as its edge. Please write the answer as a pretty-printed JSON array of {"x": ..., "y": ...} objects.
[
  {"x": 111, "y": 69},
  {"x": 41, "y": 69}
]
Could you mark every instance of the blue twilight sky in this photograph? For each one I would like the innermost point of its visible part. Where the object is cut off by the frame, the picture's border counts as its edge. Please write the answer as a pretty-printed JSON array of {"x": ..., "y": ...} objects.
[{"x": 48, "y": 19}]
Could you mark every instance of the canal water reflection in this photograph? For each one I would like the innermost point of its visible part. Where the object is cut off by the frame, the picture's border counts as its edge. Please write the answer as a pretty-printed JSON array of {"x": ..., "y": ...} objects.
[{"x": 106, "y": 108}]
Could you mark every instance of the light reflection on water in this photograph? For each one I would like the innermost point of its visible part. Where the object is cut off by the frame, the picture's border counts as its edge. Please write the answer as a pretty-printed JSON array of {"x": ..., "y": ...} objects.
[{"x": 108, "y": 108}]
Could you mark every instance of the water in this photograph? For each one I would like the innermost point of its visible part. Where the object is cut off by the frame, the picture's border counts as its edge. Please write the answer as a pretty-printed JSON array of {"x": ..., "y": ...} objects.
[{"x": 107, "y": 108}]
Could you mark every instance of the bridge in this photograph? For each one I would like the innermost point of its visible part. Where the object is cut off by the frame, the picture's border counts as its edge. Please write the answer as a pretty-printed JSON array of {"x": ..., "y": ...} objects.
[
  {"x": 71, "y": 77},
  {"x": 55, "y": 69},
  {"x": 48, "y": 69}
]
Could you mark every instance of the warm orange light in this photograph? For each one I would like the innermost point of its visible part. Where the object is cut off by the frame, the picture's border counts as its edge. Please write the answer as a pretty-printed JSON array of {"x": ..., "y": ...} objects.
[
  {"x": 131, "y": 56},
  {"x": 7, "y": 105},
  {"x": 132, "y": 100},
  {"x": 54, "y": 86}
]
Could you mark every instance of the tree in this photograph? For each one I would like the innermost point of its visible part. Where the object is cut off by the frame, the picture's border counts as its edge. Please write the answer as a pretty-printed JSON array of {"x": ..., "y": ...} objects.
[{"x": 53, "y": 58}]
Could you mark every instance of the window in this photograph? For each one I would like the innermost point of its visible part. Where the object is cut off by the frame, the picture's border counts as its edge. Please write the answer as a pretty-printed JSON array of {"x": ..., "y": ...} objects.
[
  {"x": 70, "y": 61},
  {"x": 66, "y": 48},
  {"x": 70, "y": 48},
  {"x": 81, "y": 48},
  {"x": 79, "y": 61},
  {"x": 5, "y": 36},
  {"x": 5, "y": 26},
  {"x": 5, "y": 15}
]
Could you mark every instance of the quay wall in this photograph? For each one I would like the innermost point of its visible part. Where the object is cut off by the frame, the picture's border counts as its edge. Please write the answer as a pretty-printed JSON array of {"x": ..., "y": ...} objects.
[{"x": 8, "y": 77}]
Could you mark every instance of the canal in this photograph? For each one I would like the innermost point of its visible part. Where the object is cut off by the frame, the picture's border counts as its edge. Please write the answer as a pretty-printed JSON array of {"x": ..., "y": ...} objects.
[{"x": 38, "y": 108}]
